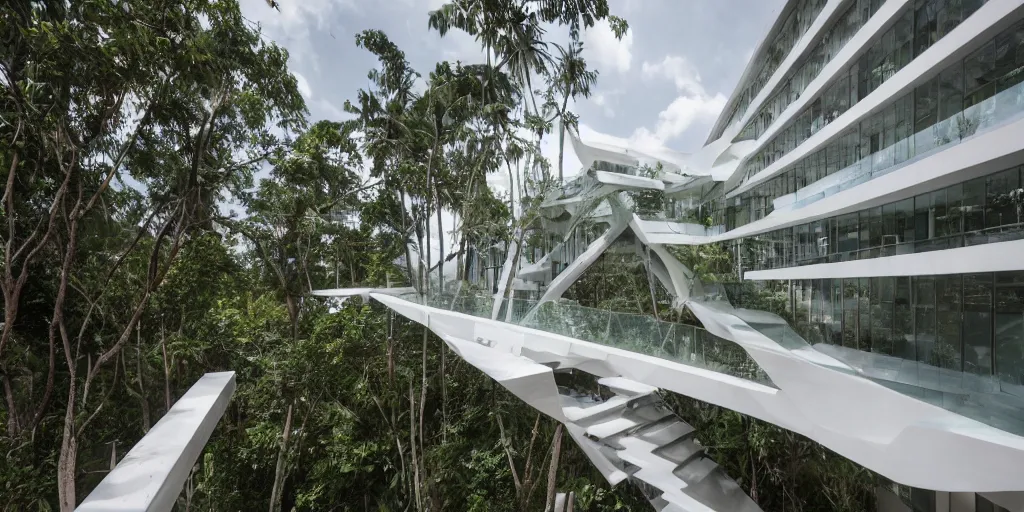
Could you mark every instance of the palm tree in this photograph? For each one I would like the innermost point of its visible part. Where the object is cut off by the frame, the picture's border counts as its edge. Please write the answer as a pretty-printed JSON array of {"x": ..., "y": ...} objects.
[
  {"x": 571, "y": 79},
  {"x": 383, "y": 114}
]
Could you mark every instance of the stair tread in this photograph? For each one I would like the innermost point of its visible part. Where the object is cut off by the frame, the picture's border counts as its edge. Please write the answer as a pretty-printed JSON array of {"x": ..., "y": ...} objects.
[
  {"x": 626, "y": 386},
  {"x": 680, "y": 453},
  {"x": 696, "y": 470},
  {"x": 667, "y": 434},
  {"x": 627, "y": 421},
  {"x": 576, "y": 413}
]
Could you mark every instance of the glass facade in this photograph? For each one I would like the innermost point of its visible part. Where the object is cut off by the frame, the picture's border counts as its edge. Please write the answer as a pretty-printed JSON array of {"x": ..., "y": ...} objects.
[
  {"x": 983, "y": 505},
  {"x": 973, "y": 95},
  {"x": 793, "y": 29},
  {"x": 912, "y": 34},
  {"x": 843, "y": 30},
  {"x": 953, "y": 340},
  {"x": 983, "y": 210}
]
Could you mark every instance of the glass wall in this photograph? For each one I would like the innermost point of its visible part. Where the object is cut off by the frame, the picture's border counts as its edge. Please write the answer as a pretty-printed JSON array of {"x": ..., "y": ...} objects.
[
  {"x": 793, "y": 29},
  {"x": 983, "y": 210},
  {"x": 912, "y": 34},
  {"x": 970, "y": 324},
  {"x": 983, "y": 505},
  {"x": 843, "y": 30},
  {"x": 972, "y": 95}
]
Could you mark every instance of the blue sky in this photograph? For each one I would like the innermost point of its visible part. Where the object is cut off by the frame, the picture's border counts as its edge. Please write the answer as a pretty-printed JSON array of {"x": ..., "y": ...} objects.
[{"x": 663, "y": 84}]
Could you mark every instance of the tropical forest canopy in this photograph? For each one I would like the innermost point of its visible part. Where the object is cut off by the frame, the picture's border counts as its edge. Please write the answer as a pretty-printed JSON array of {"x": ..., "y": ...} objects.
[{"x": 127, "y": 126}]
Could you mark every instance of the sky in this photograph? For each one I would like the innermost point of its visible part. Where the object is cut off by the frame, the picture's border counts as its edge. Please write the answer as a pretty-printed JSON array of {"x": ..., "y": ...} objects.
[{"x": 663, "y": 84}]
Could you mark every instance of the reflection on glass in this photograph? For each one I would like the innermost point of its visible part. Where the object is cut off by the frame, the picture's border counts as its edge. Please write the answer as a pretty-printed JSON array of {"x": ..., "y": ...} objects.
[
  {"x": 968, "y": 97},
  {"x": 983, "y": 210},
  {"x": 914, "y": 32}
]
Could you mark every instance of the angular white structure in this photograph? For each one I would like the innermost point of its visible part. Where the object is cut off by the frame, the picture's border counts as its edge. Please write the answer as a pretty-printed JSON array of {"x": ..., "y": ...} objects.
[
  {"x": 867, "y": 176},
  {"x": 150, "y": 477}
]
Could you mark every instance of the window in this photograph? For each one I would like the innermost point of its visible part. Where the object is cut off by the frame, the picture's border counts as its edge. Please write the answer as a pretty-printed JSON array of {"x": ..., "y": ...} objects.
[
  {"x": 977, "y": 326},
  {"x": 924, "y": 317},
  {"x": 902, "y": 328},
  {"x": 983, "y": 505},
  {"x": 881, "y": 315},
  {"x": 922, "y": 500},
  {"x": 948, "y": 351},
  {"x": 851, "y": 302},
  {"x": 979, "y": 79},
  {"x": 1000, "y": 209},
  {"x": 1009, "y": 331},
  {"x": 925, "y": 25}
]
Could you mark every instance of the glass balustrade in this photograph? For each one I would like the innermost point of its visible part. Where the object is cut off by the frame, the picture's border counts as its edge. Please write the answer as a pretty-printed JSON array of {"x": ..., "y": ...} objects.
[
  {"x": 916, "y": 30},
  {"x": 644, "y": 334},
  {"x": 977, "y": 94},
  {"x": 983, "y": 210}
]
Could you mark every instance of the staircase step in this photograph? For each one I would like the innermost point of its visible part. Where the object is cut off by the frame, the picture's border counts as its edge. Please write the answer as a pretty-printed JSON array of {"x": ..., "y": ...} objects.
[
  {"x": 680, "y": 452},
  {"x": 627, "y": 387},
  {"x": 659, "y": 504},
  {"x": 680, "y": 500},
  {"x": 578, "y": 413},
  {"x": 625, "y": 423},
  {"x": 617, "y": 478},
  {"x": 659, "y": 479},
  {"x": 723, "y": 492},
  {"x": 696, "y": 470},
  {"x": 666, "y": 433}
]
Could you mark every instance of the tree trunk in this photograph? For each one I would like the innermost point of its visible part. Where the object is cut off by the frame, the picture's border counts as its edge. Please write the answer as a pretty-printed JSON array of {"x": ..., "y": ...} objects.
[
  {"x": 561, "y": 148},
  {"x": 144, "y": 403},
  {"x": 67, "y": 461},
  {"x": 440, "y": 247},
  {"x": 293, "y": 313},
  {"x": 412, "y": 444},
  {"x": 428, "y": 203},
  {"x": 279, "y": 472},
  {"x": 549, "y": 501},
  {"x": 423, "y": 411},
  {"x": 167, "y": 369},
  {"x": 405, "y": 236}
]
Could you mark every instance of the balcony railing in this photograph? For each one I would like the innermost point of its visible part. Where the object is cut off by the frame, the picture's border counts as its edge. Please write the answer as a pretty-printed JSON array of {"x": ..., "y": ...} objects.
[
  {"x": 1003, "y": 108},
  {"x": 151, "y": 476},
  {"x": 680, "y": 343}
]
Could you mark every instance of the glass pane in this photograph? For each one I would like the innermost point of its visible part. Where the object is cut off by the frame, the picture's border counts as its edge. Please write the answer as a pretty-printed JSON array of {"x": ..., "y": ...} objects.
[
  {"x": 948, "y": 350},
  {"x": 1009, "y": 331},
  {"x": 977, "y": 325}
]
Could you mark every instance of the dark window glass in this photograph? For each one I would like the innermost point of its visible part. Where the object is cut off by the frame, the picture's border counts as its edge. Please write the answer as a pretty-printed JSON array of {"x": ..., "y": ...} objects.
[
  {"x": 948, "y": 350},
  {"x": 977, "y": 326},
  {"x": 882, "y": 295},
  {"x": 1009, "y": 330},
  {"x": 979, "y": 75},
  {"x": 924, "y": 316},
  {"x": 902, "y": 328},
  {"x": 1000, "y": 207}
]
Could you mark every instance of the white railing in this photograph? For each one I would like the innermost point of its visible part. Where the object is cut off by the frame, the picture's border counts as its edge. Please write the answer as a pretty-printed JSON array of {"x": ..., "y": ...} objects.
[{"x": 152, "y": 474}]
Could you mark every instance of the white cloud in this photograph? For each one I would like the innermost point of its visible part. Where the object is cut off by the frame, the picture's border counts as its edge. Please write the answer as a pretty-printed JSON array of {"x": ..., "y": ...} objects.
[
  {"x": 693, "y": 104},
  {"x": 607, "y": 101},
  {"x": 303, "y": 85},
  {"x": 678, "y": 70},
  {"x": 291, "y": 25},
  {"x": 683, "y": 111},
  {"x": 607, "y": 51}
]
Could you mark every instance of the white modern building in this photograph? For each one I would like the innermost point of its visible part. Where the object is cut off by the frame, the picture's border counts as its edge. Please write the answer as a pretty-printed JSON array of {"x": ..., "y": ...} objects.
[{"x": 866, "y": 175}]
